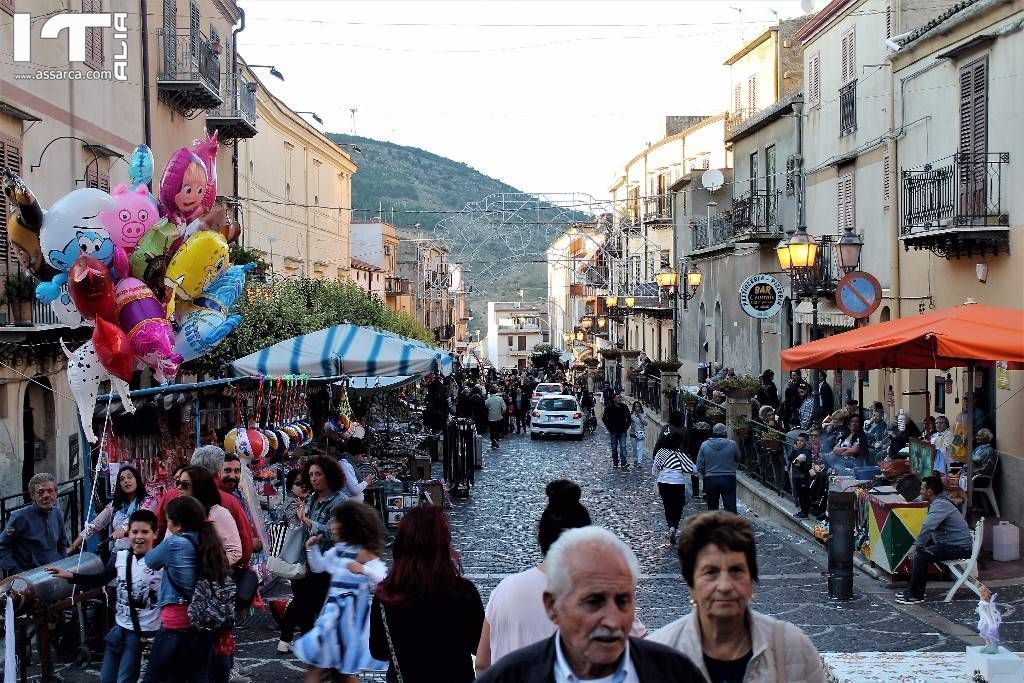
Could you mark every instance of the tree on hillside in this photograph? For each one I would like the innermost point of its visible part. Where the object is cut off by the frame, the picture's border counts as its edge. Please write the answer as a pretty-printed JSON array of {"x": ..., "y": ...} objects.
[{"x": 288, "y": 307}]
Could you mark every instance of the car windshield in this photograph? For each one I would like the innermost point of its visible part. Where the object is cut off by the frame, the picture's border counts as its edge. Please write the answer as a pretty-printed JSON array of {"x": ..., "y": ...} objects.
[{"x": 565, "y": 404}]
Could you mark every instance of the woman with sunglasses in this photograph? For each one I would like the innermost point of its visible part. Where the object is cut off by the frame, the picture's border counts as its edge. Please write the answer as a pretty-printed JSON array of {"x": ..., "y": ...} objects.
[
  {"x": 130, "y": 495},
  {"x": 197, "y": 482}
]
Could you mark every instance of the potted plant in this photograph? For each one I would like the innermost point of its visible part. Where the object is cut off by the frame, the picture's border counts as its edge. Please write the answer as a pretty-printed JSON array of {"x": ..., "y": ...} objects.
[
  {"x": 630, "y": 354},
  {"x": 20, "y": 292},
  {"x": 591, "y": 362},
  {"x": 741, "y": 424},
  {"x": 610, "y": 354},
  {"x": 739, "y": 386},
  {"x": 668, "y": 365},
  {"x": 689, "y": 400}
]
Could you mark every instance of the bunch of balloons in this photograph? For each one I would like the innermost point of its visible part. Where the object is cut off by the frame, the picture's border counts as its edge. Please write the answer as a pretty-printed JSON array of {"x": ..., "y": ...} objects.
[{"x": 149, "y": 273}]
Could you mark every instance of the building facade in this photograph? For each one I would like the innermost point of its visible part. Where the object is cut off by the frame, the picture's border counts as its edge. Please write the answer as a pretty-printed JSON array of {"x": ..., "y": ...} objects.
[
  {"x": 295, "y": 187},
  {"x": 959, "y": 219},
  {"x": 513, "y": 329}
]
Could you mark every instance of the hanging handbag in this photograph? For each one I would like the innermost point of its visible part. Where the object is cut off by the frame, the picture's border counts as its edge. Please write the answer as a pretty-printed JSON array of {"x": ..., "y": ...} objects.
[
  {"x": 277, "y": 532},
  {"x": 391, "y": 645},
  {"x": 289, "y": 562}
]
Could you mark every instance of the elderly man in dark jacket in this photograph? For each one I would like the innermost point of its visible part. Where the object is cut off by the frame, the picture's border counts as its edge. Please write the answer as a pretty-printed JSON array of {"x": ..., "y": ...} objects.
[
  {"x": 35, "y": 534},
  {"x": 590, "y": 596}
]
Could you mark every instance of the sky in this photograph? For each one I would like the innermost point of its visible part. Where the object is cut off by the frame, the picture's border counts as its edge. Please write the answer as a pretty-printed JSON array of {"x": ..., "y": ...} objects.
[{"x": 548, "y": 96}]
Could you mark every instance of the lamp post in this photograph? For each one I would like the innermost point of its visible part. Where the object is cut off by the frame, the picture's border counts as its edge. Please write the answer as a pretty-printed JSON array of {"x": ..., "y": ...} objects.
[
  {"x": 848, "y": 250},
  {"x": 668, "y": 280},
  {"x": 798, "y": 257}
]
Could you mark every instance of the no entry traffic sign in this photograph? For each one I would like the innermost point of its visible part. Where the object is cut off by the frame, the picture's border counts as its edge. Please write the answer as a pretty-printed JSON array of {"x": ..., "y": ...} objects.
[{"x": 858, "y": 294}]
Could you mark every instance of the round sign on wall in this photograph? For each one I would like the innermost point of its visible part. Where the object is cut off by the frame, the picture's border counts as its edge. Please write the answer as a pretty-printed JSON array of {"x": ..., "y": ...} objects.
[{"x": 761, "y": 296}]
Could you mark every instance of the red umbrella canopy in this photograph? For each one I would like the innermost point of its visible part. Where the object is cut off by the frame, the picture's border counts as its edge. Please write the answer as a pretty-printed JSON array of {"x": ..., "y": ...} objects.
[{"x": 949, "y": 337}]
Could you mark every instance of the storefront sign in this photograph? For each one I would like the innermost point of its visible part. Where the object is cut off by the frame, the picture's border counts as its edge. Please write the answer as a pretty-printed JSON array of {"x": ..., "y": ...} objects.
[{"x": 761, "y": 296}]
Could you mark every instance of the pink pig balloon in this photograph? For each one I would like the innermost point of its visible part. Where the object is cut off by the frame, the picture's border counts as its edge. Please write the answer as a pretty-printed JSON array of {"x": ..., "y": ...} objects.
[
  {"x": 141, "y": 316},
  {"x": 132, "y": 216}
]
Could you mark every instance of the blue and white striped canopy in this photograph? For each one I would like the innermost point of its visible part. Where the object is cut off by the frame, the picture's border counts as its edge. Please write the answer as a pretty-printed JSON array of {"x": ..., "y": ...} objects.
[{"x": 346, "y": 350}]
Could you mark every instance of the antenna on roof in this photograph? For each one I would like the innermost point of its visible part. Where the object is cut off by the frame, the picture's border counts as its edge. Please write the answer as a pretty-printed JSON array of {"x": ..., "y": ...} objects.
[{"x": 352, "y": 111}]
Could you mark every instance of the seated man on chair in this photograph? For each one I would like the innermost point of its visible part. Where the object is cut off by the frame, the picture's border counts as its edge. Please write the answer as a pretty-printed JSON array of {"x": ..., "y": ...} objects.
[{"x": 944, "y": 536}]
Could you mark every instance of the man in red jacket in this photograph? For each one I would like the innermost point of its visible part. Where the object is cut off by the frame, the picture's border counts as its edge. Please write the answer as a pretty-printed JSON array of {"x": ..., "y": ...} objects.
[{"x": 212, "y": 459}]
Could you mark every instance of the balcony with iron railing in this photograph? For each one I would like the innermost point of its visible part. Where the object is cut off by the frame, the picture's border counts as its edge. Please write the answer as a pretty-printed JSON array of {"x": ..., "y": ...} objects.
[
  {"x": 755, "y": 217},
  {"x": 848, "y": 108},
  {"x": 20, "y": 306},
  {"x": 397, "y": 286},
  {"x": 716, "y": 237},
  {"x": 957, "y": 206},
  {"x": 658, "y": 210},
  {"x": 235, "y": 118},
  {"x": 188, "y": 70}
]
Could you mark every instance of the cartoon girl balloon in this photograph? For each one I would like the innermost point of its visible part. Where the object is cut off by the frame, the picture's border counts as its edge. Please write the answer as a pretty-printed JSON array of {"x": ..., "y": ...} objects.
[{"x": 183, "y": 187}]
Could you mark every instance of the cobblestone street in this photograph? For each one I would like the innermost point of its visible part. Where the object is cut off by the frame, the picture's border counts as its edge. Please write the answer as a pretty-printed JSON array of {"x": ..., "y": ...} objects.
[{"x": 494, "y": 531}]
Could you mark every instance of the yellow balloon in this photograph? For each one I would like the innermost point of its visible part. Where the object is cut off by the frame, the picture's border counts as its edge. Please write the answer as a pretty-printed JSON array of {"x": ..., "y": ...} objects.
[{"x": 200, "y": 260}]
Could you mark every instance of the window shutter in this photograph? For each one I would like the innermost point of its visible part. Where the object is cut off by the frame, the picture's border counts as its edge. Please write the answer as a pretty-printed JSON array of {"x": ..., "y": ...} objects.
[
  {"x": 93, "y": 36},
  {"x": 752, "y": 95},
  {"x": 737, "y": 100},
  {"x": 888, "y": 19},
  {"x": 10, "y": 156},
  {"x": 813, "y": 80},
  {"x": 845, "y": 202},
  {"x": 973, "y": 136},
  {"x": 193, "y": 28},
  {"x": 886, "y": 182},
  {"x": 790, "y": 176}
]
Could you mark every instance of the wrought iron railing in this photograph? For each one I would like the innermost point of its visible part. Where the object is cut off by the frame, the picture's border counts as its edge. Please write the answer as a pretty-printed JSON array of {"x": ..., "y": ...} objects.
[
  {"x": 757, "y": 212},
  {"x": 658, "y": 208},
  {"x": 964, "y": 189},
  {"x": 646, "y": 389},
  {"x": 239, "y": 99},
  {"x": 188, "y": 56},
  {"x": 721, "y": 232},
  {"x": 848, "y": 108},
  {"x": 396, "y": 286},
  {"x": 20, "y": 304}
]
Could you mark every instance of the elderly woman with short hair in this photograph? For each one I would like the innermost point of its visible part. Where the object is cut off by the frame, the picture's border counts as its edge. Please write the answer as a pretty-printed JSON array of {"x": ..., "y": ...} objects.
[{"x": 726, "y": 639}]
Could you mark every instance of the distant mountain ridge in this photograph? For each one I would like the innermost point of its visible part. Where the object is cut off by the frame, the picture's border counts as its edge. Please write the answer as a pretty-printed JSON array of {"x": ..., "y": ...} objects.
[{"x": 416, "y": 183}]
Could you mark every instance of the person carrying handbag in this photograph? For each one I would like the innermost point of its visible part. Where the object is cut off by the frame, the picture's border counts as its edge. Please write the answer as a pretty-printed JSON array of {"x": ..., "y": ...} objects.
[{"x": 287, "y": 554}]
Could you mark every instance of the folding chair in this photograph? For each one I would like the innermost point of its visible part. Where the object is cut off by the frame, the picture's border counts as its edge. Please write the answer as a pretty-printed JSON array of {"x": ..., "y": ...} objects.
[{"x": 964, "y": 571}]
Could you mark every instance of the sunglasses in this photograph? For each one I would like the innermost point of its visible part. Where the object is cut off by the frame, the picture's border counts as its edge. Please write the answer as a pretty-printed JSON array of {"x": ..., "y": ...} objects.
[{"x": 182, "y": 484}]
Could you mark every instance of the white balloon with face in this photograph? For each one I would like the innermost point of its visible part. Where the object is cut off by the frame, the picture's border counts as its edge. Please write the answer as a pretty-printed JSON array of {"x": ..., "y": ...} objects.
[{"x": 66, "y": 312}]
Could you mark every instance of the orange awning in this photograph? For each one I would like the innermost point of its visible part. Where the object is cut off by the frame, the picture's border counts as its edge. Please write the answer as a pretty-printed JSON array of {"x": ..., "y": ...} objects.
[{"x": 950, "y": 337}]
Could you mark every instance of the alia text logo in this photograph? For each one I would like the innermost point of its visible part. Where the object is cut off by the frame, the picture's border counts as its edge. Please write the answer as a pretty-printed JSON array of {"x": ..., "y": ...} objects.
[{"x": 75, "y": 24}]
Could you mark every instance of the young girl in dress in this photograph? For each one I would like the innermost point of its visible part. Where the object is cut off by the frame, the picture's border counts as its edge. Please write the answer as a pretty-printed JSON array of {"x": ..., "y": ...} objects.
[{"x": 340, "y": 638}]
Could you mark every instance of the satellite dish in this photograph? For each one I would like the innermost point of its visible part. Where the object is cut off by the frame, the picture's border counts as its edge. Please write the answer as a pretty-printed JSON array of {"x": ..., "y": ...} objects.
[
  {"x": 712, "y": 179},
  {"x": 807, "y": 5}
]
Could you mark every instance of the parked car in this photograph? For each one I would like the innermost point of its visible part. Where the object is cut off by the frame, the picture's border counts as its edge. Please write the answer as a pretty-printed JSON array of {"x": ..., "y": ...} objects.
[
  {"x": 544, "y": 389},
  {"x": 557, "y": 414}
]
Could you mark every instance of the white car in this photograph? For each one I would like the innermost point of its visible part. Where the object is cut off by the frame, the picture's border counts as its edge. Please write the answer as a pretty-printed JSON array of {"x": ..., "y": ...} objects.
[
  {"x": 544, "y": 389},
  {"x": 557, "y": 414}
]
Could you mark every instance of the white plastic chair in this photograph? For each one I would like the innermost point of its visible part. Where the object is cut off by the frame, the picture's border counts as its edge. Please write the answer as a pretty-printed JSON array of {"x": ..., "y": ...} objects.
[
  {"x": 988, "y": 481},
  {"x": 965, "y": 571}
]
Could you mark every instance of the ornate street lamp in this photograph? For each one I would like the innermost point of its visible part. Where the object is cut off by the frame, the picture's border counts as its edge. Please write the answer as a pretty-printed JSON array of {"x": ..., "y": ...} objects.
[
  {"x": 798, "y": 257},
  {"x": 611, "y": 301},
  {"x": 630, "y": 301},
  {"x": 586, "y": 322},
  {"x": 848, "y": 250},
  {"x": 667, "y": 278},
  {"x": 602, "y": 322},
  {"x": 580, "y": 336}
]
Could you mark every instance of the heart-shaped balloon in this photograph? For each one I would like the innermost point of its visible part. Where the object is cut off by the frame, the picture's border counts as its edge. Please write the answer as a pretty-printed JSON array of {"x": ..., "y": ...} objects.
[
  {"x": 113, "y": 349},
  {"x": 91, "y": 288}
]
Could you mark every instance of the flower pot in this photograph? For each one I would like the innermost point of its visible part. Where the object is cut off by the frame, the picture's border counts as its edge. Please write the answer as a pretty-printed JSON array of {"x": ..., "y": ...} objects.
[
  {"x": 743, "y": 432},
  {"x": 630, "y": 354},
  {"x": 741, "y": 393},
  {"x": 610, "y": 354},
  {"x": 668, "y": 365}
]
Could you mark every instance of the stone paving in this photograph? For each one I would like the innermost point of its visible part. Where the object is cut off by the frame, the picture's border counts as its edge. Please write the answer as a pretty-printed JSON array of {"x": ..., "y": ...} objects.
[{"x": 494, "y": 532}]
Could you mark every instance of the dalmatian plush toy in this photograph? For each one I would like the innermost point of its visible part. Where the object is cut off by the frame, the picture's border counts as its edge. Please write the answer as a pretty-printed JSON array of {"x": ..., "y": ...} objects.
[{"x": 85, "y": 372}]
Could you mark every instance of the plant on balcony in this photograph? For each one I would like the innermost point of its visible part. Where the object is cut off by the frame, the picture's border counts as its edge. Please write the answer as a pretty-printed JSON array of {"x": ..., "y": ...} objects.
[
  {"x": 591, "y": 362},
  {"x": 20, "y": 292},
  {"x": 740, "y": 423},
  {"x": 738, "y": 386},
  {"x": 688, "y": 398},
  {"x": 241, "y": 256},
  {"x": 610, "y": 354},
  {"x": 668, "y": 365}
]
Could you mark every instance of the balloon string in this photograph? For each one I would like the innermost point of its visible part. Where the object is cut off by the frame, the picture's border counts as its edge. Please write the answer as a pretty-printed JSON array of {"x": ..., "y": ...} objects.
[{"x": 95, "y": 483}]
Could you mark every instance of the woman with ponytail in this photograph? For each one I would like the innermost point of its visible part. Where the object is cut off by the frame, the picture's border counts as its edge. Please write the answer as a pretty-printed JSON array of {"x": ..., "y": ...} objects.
[
  {"x": 515, "y": 615},
  {"x": 192, "y": 549},
  {"x": 426, "y": 586}
]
